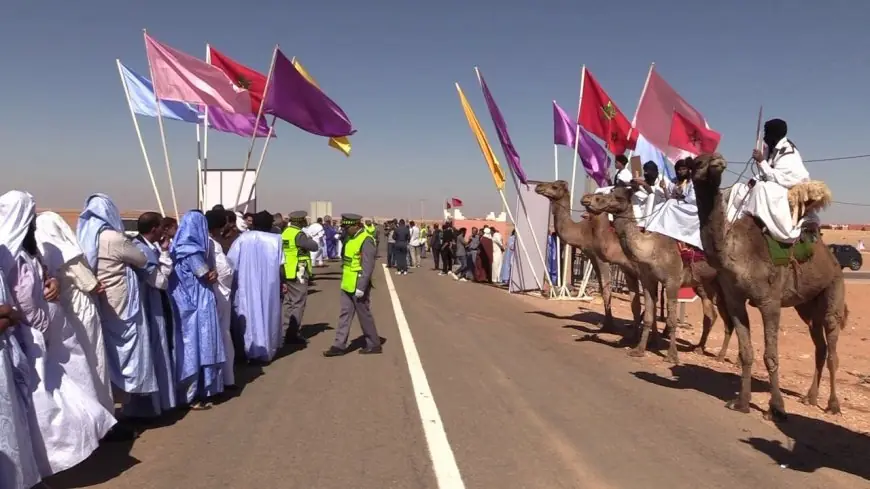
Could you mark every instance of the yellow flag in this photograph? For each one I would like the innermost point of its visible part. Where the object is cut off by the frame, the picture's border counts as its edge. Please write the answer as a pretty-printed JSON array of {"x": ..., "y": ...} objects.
[
  {"x": 485, "y": 148},
  {"x": 342, "y": 143}
]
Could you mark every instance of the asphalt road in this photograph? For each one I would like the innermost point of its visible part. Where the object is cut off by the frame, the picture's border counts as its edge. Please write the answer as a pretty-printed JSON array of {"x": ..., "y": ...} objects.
[
  {"x": 522, "y": 401},
  {"x": 857, "y": 276}
]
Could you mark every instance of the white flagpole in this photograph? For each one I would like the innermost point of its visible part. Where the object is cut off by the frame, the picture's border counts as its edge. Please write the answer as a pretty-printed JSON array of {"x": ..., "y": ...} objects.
[
  {"x": 640, "y": 101},
  {"x": 563, "y": 291},
  {"x": 515, "y": 179},
  {"x": 139, "y": 135},
  {"x": 519, "y": 239},
  {"x": 259, "y": 163},
  {"x": 256, "y": 124},
  {"x": 205, "y": 137},
  {"x": 163, "y": 140},
  {"x": 558, "y": 241},
  {"x": 200, "y": 193}
]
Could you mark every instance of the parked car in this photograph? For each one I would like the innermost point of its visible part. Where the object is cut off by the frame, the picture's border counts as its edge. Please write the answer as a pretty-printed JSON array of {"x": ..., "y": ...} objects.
[{"x": 847, "y": 256}]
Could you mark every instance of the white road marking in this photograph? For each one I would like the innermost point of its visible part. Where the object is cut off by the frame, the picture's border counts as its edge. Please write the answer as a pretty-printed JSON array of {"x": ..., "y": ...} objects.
[{"x": 443, "y": 460}]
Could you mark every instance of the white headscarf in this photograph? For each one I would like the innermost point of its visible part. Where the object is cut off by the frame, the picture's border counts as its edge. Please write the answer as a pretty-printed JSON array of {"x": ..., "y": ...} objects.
[
  {"x": 240, "y": 222},
  {"x": 57, "y": 243},
  {"x": 486, "y": 232},
  {"x": 17, "y": 211}
]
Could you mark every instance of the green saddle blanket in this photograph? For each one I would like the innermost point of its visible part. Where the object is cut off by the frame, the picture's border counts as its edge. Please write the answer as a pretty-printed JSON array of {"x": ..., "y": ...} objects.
[{"x": 782, "y": 253}]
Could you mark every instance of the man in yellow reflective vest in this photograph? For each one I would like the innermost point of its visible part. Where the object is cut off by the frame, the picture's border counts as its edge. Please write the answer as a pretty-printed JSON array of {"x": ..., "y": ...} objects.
[
  {"x": 357, "y": 267},
  {"x": 297, "y": 247},
  {"x": 372, "y": 230}
]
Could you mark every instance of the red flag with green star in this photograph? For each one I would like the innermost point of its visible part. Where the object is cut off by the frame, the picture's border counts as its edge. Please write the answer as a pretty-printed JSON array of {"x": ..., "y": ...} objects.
[
  {"x": 252, "y": 81},
  {"x": 600, "y": 116}
]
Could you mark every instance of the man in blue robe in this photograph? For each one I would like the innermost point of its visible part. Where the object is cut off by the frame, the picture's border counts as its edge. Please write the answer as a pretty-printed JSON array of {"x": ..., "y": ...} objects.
[
  {"x": 153, "y": 282},
  {"x": 199, "y": 346},
  {"x": 257, "y": 260},
  {"x": 331, "y": 239}
]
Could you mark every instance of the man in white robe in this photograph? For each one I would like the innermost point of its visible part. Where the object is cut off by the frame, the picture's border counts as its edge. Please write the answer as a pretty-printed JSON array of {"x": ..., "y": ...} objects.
[
  {"x": 767, "y": 195},
  {"x": 217, "y": 222},
  {"x": 317, "y": 233},
  {"x": 648, "y": 195},
  {"x": 678, "y": 216}
]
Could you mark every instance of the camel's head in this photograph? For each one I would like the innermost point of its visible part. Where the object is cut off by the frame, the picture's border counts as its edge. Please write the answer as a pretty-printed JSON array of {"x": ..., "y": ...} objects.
[
  {"x": 553, "y": 190},
  {"x": 708, "y": 168},
  {"x": 616, "y": 202}
]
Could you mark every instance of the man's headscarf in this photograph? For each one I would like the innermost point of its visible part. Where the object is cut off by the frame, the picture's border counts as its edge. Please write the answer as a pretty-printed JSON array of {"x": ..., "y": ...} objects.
[
  {"x": 650, "y": 172},
  {"x": 241, "y": 224},
  {"x": 17, "y": 211},
  {"x": 98, "y": 215},
  {"x": 192, "y": 236},
  {"x": 263, "y": 221},
  {"x": 774, "y": 131},
  {"x": 56, "y": 242}
]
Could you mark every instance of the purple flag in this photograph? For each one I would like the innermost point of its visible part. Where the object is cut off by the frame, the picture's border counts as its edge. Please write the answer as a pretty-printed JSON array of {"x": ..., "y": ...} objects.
[
  {"x": 513, "y": 158},
  {"x": 593, "y": 156},
  {"x": 294, "y": 99},
  {"x": 241, "y": 124}
]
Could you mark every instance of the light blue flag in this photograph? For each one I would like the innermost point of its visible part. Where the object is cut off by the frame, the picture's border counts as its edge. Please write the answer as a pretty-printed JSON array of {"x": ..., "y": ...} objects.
[
  {"x": 143, "y": 101},
  {"x": 648, "y": 152}
]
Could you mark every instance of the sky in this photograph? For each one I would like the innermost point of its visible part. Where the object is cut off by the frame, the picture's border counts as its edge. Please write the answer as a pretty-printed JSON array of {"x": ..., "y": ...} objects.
[{"x": 66, "y": 132}]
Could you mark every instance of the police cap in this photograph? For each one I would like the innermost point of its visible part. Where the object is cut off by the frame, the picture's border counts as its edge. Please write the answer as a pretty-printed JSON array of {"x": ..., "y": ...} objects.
[
  {"x": 298, "y": 216},
  {"x": 350, "y": 219}
]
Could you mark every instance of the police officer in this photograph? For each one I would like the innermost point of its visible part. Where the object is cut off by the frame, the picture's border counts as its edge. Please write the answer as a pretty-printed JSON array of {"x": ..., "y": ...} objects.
[
  {"x": 294, "y": 288},
  {"x": 358, "y": 264}
]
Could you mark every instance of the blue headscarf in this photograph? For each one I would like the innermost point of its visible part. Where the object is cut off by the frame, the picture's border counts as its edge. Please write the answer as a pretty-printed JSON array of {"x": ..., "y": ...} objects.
[
  {"x": 99, "y": 214},
  {"x": 191, "y": 237}
]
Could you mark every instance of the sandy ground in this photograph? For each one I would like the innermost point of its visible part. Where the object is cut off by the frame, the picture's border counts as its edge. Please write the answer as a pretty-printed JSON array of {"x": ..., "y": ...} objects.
[{"x": 795, "y": 346}]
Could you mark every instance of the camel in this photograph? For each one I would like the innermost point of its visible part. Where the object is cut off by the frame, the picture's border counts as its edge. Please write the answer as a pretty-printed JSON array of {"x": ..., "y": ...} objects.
[
  {"x": 814, "y": 288},
  {"x": 658, "y": 261},
  {"x": 598, "y": 242}
]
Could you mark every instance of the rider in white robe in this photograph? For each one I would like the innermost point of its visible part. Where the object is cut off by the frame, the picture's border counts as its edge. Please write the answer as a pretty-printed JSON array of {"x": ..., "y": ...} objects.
[
  {"x": 678, "y": 216},
  {"x": 648, "y": 195},
  {"x": 66, "y": 419},
  {"x": 316, "y": 232},
  {"x": 767, "y": 195}
]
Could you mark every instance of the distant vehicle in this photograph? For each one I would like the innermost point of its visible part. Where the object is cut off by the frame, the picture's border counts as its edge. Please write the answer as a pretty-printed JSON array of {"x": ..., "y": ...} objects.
[
  {"x": 847, "y": 256},
  {"x": 131, "y": 227}
]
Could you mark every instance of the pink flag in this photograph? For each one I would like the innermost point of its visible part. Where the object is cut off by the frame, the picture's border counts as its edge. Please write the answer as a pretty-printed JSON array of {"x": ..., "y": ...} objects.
[
  {"x": 184, "y": 78},
  {"x": 656, "y": 112}
]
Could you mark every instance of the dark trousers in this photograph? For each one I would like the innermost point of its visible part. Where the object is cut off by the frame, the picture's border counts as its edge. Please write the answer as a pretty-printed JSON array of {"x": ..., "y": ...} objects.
[
  {"x": 400, "y": 253},
  {"x": 465, "y": 266},
  {"x": 436, "y": 255},
  {"x": 447, "y": 260},
  {"x": 391, "y": 247}
]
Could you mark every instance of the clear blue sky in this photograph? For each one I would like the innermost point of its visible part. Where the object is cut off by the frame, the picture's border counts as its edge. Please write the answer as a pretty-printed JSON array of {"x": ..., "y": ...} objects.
[{"x": 65, "y": 130}]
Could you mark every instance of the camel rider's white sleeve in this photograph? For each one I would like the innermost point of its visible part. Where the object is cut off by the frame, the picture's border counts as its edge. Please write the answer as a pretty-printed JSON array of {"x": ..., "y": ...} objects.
[
  {"x": 624, "y": 176},
  {"x": 788, "y": 171}
]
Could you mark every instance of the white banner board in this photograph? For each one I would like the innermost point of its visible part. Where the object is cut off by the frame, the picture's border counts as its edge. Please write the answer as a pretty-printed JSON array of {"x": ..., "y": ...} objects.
[{"x": 222, "y": 187}]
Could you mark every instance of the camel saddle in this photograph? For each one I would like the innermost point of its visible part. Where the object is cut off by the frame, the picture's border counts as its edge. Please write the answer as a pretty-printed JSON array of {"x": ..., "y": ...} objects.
[
  {"x": 690, "y": 254},
  {"x": 803, "y": 198}
]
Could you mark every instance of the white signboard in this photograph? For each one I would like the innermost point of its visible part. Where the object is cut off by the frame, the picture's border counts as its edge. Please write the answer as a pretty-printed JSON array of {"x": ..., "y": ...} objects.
[{"x": 222, "y": 187}]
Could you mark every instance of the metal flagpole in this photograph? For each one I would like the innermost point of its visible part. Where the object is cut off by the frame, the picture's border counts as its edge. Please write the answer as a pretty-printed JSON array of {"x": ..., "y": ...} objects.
[
  {"x": 567, "y": 273},
  {"x": 163, "y": 139},
  {"x": 139, "y": 135}
]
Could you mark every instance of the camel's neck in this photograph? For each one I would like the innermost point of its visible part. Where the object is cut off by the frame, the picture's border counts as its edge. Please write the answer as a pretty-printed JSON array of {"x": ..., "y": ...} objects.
[
  {"x": 711, "y": 213},
  {"x": 630, "y": 235},
  {"x": 562, "y": 215}
]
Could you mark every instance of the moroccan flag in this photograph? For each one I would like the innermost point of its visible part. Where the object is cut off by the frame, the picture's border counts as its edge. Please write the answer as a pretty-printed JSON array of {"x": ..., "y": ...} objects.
[
  {"x": 294, "y": 99},
  {"x": 600, "y": 116},
  {"x": 513, "y": 158},
  {"x": 252, "y": 81},
  {"x": 181, "y": 77},
  {"x": 690, "y": 137},
  {"x": 656, "y": 111},
  {"x": 482, "y": 142},
  {"x": 455, "y": 202},
  {"x": 343, "y": 143}
]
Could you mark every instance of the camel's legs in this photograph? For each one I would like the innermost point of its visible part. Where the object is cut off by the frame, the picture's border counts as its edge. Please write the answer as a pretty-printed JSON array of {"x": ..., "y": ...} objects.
[
  {"x": 770, "y": 314},
  {"x": 831, "y": 316},
  {"x": 709, "y": 316},
  {"x": 671, "y": 289},
  {"x": 729, "y": 325},
  {"x": 735, "y": 304},
  {"x": 648, "y": 316},
  {"x": 636, "y": 308},
  {"x": 602, "y": 270},
  {"x": 807, "y": 311}
]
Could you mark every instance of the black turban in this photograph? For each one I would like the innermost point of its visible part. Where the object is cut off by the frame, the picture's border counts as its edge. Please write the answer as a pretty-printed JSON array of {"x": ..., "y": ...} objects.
[
  {"x": 774, "y": 131},
  {"x": 215, "y": 219},
  {"x": 263, "y": 221}
]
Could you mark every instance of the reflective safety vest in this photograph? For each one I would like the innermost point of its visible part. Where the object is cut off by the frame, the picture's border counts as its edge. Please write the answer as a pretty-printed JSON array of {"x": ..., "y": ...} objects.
[
  {"x": 293, "y": 255},
  {"x": 351, "y": 261},
  {"x": 371, "y": 230}
]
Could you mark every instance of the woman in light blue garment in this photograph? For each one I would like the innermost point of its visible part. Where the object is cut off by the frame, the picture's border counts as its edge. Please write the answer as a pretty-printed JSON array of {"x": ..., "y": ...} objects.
[{"x": 508, "y": 256}]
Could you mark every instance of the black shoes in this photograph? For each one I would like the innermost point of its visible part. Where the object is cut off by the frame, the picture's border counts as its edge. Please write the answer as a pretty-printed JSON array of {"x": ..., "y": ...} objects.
[
  {"x": 337, "y": 352},
  {"x": 334, "y": 352},
  {"x": 375, "y": 350}
]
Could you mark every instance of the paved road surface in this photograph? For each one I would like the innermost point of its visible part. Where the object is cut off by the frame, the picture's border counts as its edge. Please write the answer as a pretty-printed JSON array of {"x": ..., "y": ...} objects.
[
  {"x": 524, "y": 404},
  {"x": 857, "y": 276}
]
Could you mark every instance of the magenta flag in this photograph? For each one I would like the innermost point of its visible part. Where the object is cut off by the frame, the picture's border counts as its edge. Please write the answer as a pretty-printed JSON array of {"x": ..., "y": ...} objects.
[
  {"x": 510, "y": 153},
  {"x": 181, "y": 77},
  {"x": 592, "y": 155},
  {"x": 291, "y": 97},
  {"x": 241, "y": 124}
]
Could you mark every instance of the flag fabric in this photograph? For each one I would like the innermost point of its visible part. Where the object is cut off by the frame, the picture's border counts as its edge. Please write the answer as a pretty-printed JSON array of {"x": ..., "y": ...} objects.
[
  {"x": 241, "y": 124},
  {"x": 655, "y": 114},
  {"x": 455, "y": 202},
  {"x": 341, "y": 143},
  {"x": 181, "y": 77},
  {"x": 690, "y": 137},
  {"x": 510, "y": 153},
  {"x": 480, "y": 136},
  {"x": 251, "y": 80},
  {"x": 294, "y": 99},
  {"x": 143, "y": 101},
  {"x": 592, "y": 155},
  {"x": 647, "y": 152},
  {"x": 602, "y": 117},
  {"x": 140, "y": 95}
]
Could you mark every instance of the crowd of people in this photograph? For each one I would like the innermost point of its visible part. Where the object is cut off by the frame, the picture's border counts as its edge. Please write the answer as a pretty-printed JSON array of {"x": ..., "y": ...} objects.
[
  {"x": 481, "y": 255},
  {"x": 102, "y": 333}
]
